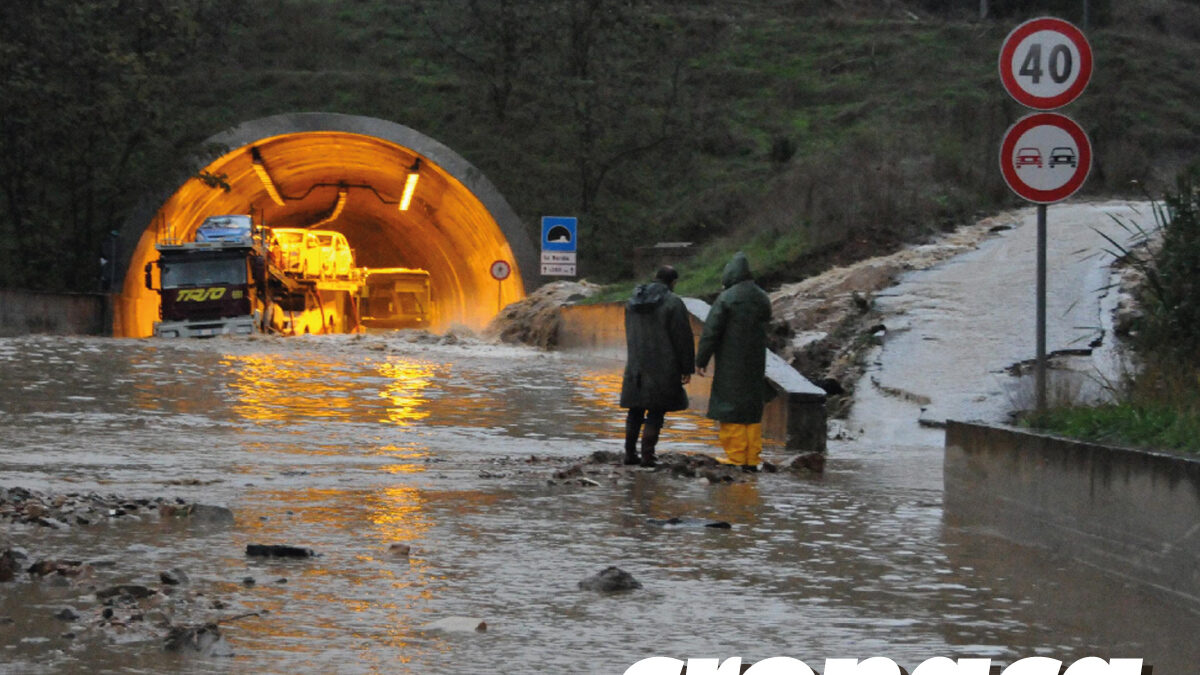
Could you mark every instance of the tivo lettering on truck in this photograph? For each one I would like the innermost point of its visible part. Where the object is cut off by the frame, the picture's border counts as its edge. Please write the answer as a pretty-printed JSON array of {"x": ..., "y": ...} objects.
[{"x": 208, "y": 286}]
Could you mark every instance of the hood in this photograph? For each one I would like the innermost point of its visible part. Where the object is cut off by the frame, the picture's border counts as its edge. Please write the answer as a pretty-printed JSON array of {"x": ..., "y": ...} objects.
[
  {"x": 736, "y": 271},
  {"x": 648, "y": 296}
]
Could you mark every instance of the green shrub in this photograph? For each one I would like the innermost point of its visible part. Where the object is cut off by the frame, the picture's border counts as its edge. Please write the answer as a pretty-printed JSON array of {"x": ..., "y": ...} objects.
[
  {"x": 1171, "y": 296},
  {"x": 1159, "y": 406}
]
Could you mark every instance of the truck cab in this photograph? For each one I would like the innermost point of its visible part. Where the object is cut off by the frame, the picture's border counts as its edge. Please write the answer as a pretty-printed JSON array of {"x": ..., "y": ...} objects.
[
  {"x": 205, "y": 290},
  {"x": 396, "y": 297}
]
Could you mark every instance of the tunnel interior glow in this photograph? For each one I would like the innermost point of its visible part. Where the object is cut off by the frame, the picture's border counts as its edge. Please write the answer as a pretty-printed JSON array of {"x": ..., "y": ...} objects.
[{"x": 353, "y": 182}]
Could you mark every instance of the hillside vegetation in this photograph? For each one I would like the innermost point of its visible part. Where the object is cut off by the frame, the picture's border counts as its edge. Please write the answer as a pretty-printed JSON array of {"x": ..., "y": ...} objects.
[{"x": 806, "y": 132}]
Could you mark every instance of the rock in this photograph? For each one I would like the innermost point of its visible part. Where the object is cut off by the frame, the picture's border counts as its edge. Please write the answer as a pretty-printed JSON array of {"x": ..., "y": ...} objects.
[
  {"x": 197, "y": 637},
  {"x": 609, "y": 580},
  {"x": 67, "y": 614},
  {"x": 173, "y": 577},
  {"x": 400, "y": 550},
  {"x": 158, "y": 617},
  {"x": 689, "y": 522},
  {"x": 831, "y": 386},
  {"x": 132, "y": 590},
  {"x": 714, "y": 477},
  {"x": 47, "y": 521},
  {"x": 570, "y": 472},
  {"x": 278, "y": 551},
  {"x": 808, "y": 462},
  {"x": 606, "y": 457},
  {"x": 43, "y": 567},
  {"x": 8, "y": 565},
  {"x": 457, "y": 624},
  {"x": 210, "y": 515}
]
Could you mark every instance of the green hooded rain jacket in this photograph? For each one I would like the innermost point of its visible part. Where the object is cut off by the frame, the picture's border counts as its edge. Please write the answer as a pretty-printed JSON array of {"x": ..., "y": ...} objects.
[{"x": 736, "y": 334}]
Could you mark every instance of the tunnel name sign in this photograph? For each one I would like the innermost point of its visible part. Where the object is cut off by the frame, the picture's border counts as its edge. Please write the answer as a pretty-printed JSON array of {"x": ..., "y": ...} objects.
[{"x": 559, "y": 245}]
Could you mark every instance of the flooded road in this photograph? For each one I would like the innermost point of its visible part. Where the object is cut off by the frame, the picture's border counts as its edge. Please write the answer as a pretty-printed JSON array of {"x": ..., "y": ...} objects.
[{"x": 346, "y": 445}]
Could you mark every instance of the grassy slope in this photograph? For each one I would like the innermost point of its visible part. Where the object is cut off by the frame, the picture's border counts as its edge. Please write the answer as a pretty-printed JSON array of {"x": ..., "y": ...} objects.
[{"x": 806, "y": 138}]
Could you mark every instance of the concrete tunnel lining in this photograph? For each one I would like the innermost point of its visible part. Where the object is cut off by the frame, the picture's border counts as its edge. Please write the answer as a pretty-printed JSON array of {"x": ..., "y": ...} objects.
[{"x": 456, "y": 227}]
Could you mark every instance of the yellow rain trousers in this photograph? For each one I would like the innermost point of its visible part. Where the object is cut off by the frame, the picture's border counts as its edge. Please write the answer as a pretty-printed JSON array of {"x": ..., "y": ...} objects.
[{"x": 742, "y": 442}]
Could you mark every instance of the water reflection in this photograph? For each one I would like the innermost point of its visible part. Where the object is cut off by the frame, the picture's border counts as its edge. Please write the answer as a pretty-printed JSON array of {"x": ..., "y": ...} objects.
[
  {"x": 407, "y": 381},
  {"x": 269, "y": 387}
]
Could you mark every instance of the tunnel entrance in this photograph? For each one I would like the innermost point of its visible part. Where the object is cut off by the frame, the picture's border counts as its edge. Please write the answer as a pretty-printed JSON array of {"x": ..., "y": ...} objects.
[{"x": 348, "y": 175}]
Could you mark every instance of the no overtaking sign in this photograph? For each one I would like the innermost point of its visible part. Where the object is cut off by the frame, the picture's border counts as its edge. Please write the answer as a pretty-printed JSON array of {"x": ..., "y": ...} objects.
[{"x": 1045, "y": 157}]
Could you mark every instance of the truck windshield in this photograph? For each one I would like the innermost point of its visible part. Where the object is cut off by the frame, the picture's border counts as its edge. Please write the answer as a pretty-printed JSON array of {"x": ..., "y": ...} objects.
[{"x": 203, "y": 272}]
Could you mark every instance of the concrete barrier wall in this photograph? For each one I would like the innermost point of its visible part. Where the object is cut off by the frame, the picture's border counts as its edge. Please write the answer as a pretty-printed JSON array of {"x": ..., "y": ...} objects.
[
  {"x": 26, "y": 312},
  {"x": 795, "y": 416},
  {"x": 1129, "y": 512}
]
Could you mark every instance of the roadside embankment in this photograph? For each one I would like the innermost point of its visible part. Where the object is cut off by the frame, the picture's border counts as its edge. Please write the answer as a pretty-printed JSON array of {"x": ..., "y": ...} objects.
[
  {"x": 27, "y": 312},
  {"x": 1129, "y": 512}
]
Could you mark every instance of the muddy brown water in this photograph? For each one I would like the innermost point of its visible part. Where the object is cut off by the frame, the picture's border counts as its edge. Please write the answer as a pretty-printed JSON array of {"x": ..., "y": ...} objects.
[{"x": 348, "y": 445}]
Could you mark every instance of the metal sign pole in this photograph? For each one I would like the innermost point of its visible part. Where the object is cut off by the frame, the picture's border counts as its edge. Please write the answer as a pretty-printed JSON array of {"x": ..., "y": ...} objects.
[{"x": 1040, "y": 368}]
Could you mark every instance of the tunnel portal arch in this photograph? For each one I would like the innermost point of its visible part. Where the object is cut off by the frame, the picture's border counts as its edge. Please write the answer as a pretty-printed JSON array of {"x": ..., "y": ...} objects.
[{"x": 347, "y": 172}]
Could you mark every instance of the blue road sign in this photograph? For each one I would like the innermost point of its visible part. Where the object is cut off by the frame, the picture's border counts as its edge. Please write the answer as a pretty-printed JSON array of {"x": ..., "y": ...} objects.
[{"x": 558, "y": 233}]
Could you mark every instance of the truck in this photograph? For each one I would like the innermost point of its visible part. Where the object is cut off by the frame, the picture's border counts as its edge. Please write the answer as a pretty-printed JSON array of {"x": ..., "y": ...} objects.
[
  {"x": 213, "y": 285},
  {"x": 395, "y": 297},
  {"x": 235, "y": 278}
]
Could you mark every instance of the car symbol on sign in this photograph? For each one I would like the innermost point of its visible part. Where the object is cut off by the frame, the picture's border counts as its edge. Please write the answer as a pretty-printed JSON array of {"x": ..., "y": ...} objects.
[
  {"x": 1029, "y": 156},
  {"x": 1063, "y": 155}
]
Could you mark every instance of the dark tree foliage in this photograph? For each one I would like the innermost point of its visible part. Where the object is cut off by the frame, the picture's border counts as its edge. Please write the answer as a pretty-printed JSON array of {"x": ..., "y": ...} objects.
[
  {"x": 612, "y": 77},
  {"x": 1072, "y": 10},
  {"x": 89, "y": 122}
]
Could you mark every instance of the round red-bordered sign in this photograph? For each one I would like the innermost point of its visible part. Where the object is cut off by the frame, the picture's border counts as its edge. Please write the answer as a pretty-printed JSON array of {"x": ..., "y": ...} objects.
[
  {"x": 1045, "y": 63},
  {"x": 1045, "y": 157},
  {"x": 500, "y": 270}
]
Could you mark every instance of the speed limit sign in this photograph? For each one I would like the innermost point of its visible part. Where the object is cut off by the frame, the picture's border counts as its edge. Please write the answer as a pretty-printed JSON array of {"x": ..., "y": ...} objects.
[{"x": 1045, "y": 63}]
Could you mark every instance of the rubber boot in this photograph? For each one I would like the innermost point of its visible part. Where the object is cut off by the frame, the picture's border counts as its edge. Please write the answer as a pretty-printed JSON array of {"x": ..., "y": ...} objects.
[
  {"x": 631, "y": 435},
  {"x": 649, "y": 440}
]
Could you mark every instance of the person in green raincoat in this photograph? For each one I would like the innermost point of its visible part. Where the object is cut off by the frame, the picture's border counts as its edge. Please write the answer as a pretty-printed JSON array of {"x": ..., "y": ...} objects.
[{"x": 735, "y": 333}]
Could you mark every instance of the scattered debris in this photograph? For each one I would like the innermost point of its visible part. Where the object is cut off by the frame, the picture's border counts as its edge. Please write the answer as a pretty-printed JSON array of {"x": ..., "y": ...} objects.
[
  {"x": 809, "y": 462},
  {"x": 690, "y": 522},
  {"x": 609, "y": 580},
  {"x": 278, "y": 551}
]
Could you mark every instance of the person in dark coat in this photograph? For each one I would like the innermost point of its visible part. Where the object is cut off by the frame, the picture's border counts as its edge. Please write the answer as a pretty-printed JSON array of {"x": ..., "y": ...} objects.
[
  {"x": 736, "y": 334},
  {"x": 660, "y": 358}
]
